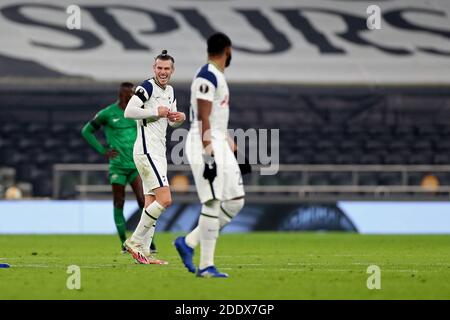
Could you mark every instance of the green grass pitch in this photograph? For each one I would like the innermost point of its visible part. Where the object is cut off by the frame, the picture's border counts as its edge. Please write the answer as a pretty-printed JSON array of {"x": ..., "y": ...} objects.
[{"x": 260, "y": 265}]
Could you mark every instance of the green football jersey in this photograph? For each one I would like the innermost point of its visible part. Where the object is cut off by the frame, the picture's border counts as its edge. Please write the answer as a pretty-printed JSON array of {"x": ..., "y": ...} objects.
[{"x": 120, "y": 134}]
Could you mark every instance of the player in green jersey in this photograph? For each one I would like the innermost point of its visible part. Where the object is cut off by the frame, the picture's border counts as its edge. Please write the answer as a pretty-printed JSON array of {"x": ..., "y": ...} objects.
[{"x": 120, "y": 135}]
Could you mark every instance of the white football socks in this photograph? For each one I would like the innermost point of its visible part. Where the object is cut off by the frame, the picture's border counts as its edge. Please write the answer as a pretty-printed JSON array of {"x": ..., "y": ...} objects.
[
  {"x": 209, "y": 231},
  {"x": 149, "y": 216},
  {"x": 148, "y": 237},
  {"x": 228, "y": 210},
  {"x": 193, "y": 237}
]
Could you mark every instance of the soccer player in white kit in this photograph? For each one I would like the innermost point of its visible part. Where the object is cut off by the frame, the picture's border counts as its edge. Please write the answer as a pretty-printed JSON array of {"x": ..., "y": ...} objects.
[
  {"x": 154, "y": 106},
  {"x": 214, "y": 167}
]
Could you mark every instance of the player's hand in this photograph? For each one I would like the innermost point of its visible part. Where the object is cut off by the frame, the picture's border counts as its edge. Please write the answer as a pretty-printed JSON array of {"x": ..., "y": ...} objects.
[
  {"x": 210, "y": 171},
  {"x": 163, "y": 111},
  {"x": 244, "y": 167},
  {"x": 111, "y": 153},
  {"x": 176, "y": 116}
]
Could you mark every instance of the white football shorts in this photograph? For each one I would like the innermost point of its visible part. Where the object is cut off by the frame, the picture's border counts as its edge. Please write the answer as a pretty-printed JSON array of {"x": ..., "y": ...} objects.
[
  {"x": 228, "y": 183},
  {"x": 153, "y": 171}
]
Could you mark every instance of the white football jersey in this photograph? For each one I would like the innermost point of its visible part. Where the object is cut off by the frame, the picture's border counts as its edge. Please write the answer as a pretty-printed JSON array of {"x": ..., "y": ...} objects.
[
  {"x": 210, "y": 84},
  {"x": 151, "y": 135}
]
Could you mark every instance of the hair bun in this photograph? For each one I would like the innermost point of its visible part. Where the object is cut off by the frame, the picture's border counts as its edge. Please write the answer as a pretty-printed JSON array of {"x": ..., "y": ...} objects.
[{"x": 164, "y": 52}]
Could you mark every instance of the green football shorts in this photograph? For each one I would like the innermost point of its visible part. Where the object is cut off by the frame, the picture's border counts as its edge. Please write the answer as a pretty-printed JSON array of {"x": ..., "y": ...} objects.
[{"x": 122, "y": 176}]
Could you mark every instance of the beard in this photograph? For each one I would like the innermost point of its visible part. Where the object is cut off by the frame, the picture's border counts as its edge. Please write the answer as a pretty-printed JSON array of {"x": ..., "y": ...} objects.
[{"x": 228, "y": 61}]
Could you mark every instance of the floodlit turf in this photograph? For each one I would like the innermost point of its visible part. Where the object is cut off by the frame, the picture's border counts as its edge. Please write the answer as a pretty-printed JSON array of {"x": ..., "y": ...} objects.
[{"x": 261, "y": 266}]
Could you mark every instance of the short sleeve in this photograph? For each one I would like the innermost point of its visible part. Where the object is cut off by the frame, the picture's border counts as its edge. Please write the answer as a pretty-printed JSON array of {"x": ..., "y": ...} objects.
[
  {"x": 144, "y": 90},
  {"x": 205, "y": 84},
  {"x": 204, "y": 89},
  {"x": 100, "y": 119}
]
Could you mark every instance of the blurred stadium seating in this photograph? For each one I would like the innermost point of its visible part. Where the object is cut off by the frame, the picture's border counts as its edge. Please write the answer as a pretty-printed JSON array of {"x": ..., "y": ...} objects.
[
  {"x": 330, "y": 127},
  {"x": 362, "y": 107}
]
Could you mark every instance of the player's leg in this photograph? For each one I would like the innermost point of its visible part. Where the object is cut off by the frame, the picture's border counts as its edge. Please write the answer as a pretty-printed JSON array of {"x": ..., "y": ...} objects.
[
  {"x": 155, "y": 183},
  {"x": 157, "y": 195},
  {"x": 231, "y": 191},
  {"x": 208, "y": 226},
  {"x": 134, "y": 244},
  {"x": 152, "y": 186},
  {"x": 193, "y": 150},
  {"x": 118, "y": 202},
  {"x": 228, "y": 210},
  {"x": 136, "y": 184},
  {"x": 117, "y": 180},
  {"x": 149, "y": 248},
  {"x": 154, "y": 207},
  {"x": 208, "y": 232}
]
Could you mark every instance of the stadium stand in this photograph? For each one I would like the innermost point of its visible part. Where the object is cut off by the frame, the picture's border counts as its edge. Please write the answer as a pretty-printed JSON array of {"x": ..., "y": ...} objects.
[
  {"x": 330, "y": 127},
  {"x": 352, "y": 98}
]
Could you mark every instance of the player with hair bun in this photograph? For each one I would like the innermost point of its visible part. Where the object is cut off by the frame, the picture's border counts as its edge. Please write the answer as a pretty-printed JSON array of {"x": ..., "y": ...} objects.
[
  {"x": 120, "y": 135},
  {"x": 154, "y": 106}
]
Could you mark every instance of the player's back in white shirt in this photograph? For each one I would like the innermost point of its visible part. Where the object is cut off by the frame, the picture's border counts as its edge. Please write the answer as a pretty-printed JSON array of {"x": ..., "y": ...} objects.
[{"x": 210, "y": 84}]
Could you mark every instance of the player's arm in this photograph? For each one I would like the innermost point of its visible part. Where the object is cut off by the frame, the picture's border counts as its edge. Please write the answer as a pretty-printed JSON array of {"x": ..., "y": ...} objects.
[
  {"x": 204, "y": 111},
  {"x": 135, "y": 107},
  {"x": 206, "y": 84},
  {"x": 88, "y": 133},
  {"x": 232, "y": 144},
  {"x": 206, "y": 88}
]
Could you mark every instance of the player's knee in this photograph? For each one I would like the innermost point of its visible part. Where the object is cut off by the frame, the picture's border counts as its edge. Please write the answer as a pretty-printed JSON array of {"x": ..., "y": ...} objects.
[
  {"x": 211, "y": 208},
  {"x": 166, "y": 201},
  {"x": 163, "y": 197},
  {"x": 148, "y": 199},
  {"x": 232, "y": 207},
  {"x": 228, "y": 210}
]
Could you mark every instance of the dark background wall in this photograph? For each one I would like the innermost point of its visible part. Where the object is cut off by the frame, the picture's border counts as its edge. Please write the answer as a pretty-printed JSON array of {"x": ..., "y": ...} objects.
[{"x": 40, "y": 125}]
